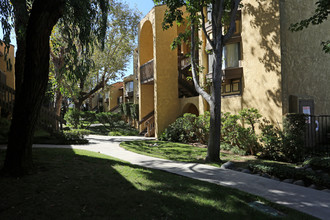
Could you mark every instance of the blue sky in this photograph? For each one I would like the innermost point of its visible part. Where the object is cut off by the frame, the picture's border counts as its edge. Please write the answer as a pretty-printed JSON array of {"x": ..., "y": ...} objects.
[{"x": 143, "y": 6}]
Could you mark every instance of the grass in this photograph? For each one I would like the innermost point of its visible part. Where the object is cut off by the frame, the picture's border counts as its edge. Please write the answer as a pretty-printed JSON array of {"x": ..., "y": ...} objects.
[
  {"x": 84, "y": 185},
  {"x": 125, "y": 130},
  {"x": 189, "y": 153}
]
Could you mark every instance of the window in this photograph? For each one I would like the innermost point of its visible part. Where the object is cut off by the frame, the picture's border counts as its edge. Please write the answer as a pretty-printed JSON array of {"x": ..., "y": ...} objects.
[
  {"x": 129, "y": 86},
  {"x": 210, "y": 62},
  {"x": 231, "y": 55},
  {"x": 231, "y": 87}
]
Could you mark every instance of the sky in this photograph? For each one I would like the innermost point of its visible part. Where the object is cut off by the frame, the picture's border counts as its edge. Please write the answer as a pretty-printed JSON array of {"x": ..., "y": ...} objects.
[{"x": 144, "y": 6}]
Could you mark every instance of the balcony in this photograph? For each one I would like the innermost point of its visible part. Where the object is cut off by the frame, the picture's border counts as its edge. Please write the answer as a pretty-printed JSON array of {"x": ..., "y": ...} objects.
[{"x": 147, "y": 72}]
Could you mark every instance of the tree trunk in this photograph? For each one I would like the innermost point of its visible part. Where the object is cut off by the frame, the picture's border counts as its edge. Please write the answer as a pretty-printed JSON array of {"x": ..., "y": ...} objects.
[
  {"x": 58, "y": 102},
  {"x": 21, "y": 22},
  {"x": 44, "y": 16}
]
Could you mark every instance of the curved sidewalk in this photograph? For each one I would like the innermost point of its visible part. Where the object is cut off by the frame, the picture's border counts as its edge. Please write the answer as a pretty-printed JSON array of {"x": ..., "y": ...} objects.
[{"x": 310, "y": 201}]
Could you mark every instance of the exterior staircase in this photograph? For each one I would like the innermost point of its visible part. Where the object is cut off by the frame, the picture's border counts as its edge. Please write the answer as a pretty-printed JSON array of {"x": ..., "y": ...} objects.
[
  {"x": 148, "y": 125},
  {"x": 186, "y": 85},
  {"x": 48, "y": 120}
]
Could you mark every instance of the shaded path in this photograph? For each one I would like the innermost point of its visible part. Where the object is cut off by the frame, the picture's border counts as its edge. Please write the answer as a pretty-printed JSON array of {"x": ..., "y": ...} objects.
[{"x": 310, "y": 201}]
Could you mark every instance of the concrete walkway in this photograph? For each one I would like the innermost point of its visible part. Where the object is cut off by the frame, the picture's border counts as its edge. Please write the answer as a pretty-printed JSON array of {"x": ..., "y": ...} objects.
[{"x": 313, "y": 202}]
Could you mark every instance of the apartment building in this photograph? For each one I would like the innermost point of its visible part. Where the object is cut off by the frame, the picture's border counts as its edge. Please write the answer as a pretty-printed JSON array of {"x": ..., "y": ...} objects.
[
  {"x": 7, "y": 79},
  {"x": 265, "y": 66}
]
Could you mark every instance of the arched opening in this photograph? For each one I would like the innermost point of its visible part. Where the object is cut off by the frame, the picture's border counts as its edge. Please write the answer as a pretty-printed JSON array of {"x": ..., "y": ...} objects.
[
  {"x": 146, "y": 52},
  {"x": 146, "y": 61},
  {"x": 190, "y": 108}
]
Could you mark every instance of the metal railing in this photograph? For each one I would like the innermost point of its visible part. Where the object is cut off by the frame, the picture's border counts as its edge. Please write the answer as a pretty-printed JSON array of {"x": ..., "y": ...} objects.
[
  {"x": 147, "y": 72},
  {"x": 317, "y": 136}
]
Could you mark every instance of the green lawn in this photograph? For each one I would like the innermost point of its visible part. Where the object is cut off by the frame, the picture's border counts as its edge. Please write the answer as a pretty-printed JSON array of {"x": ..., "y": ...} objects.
[
  {"x": 84, "y": 185},
  {"x": 188, "y": 153}
]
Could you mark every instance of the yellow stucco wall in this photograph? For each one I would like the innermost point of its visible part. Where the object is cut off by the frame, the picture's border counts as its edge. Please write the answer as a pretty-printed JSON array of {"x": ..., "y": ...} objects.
[
  {"x": 261, "y": 56},
  {"x": 161, "y": 95},
  {"x": 128, "y": 79},
  {"x": 115, "y": 92},
  {"x": 166, "y": 74},
  {"x": 146, "y": 100},
  {"x": 305, "y": 67},
  {"x": 10, "y": 57}
]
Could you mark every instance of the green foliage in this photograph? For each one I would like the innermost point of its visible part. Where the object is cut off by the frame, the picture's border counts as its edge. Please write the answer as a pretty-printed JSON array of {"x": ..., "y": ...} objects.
[
  {"x": 320, "y": 15},
  {"x": 124, "y": 132},
  {"x": 126, "y": 109},
  {"x": 134, "y": 110},
  {"x": 285, "y": 172},
  {"x": 88, "y": 117},
  {"x": 72, "y": 118},
  {"x": 108, "y": 119},
  {"x": 233, "y": 132},
  {"x": 76, "y": 133},
  {"x": 294, "y": 126},
  {"x": 229, "y": 129},
  {"x": 188, "y": 129},
  {"x": 319, "y": 163},
  {"x": 271, "y": 139}
]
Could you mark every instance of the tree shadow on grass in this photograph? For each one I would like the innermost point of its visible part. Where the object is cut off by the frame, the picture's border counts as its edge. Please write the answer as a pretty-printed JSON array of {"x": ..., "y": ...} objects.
[{"x": 83, "y": 185}]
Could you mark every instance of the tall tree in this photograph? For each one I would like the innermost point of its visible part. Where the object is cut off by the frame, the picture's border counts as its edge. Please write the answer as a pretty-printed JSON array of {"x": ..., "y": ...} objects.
[
  {"x": 32, "y": 69},
  {"x": 320, "y": 15},
  {"x": 223, "y": 15},
  {"x": 104, "y": 62}
]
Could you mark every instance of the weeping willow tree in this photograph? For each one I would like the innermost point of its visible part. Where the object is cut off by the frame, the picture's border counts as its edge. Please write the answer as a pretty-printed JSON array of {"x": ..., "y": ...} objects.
[
  {"x": 223, "y": 16},
  {"x": 33, "y": 21}
]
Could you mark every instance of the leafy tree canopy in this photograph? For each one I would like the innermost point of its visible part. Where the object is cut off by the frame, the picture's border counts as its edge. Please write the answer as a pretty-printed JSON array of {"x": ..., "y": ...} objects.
[{"x": 320, "y": 15}]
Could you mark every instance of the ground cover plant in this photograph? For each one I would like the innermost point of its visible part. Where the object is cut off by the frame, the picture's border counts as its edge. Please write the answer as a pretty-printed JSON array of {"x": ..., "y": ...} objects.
[{"x": 84, "y": 185}]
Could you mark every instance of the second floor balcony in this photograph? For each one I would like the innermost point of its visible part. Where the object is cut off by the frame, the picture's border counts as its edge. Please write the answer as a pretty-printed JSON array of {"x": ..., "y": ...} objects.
[{"x": 147, "y": 72}]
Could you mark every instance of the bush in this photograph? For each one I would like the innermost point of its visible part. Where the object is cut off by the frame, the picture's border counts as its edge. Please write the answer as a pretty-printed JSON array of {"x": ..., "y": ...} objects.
[
  {"x": 319, "y": 163},
  {"x": 108, "y": 119},
  {"x": 76, "y": 134},
  {"x": 272, "y": 141},
  {"x": 72, "y": 118},
  {"x": 285, "y": 172},
  {"x": 188, "y": 129},
  {"x": 294, "y": 126},
  {"x": 234, "y": 134},
  {"x": 88, "y": 117}
]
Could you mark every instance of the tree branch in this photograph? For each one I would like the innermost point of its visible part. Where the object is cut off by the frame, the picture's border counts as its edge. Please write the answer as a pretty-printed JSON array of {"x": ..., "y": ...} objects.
[
  {"x": 204, "y": 94},
  {"x": 232, "y": 21}
]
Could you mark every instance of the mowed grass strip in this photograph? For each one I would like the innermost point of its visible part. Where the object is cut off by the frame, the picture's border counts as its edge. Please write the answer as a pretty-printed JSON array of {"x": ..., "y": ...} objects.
[
  {"x": 189, "y": 153},
  {"x": 84, "y": 185}
]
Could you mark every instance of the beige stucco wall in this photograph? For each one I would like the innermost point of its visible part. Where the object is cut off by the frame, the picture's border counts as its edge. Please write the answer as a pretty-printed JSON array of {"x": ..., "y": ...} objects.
[
  {"x": 305, "y": 67},
  {"x": 4, "y": 58},
  {"x": 261, "y": 61},
  {"x": 186, "y": 102}
]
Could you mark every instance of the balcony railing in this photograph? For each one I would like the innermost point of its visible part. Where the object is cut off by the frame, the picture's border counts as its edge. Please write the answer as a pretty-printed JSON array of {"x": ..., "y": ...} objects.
[{"x": 147, "y": 72}]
